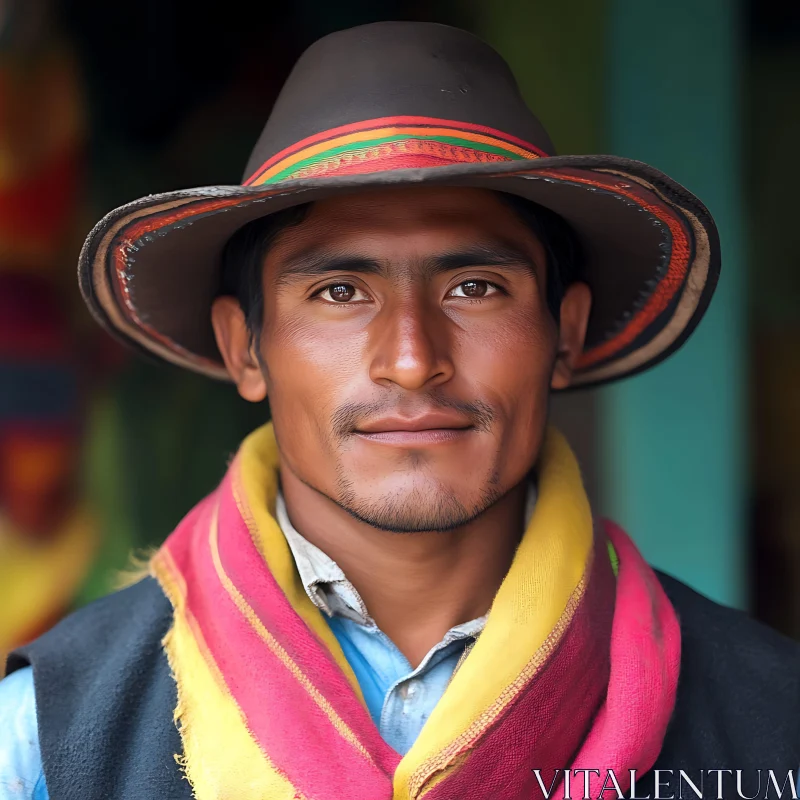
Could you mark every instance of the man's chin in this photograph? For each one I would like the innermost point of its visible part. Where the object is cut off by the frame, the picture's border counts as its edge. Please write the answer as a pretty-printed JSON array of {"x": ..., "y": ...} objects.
[{"x": 413, "y": 511}]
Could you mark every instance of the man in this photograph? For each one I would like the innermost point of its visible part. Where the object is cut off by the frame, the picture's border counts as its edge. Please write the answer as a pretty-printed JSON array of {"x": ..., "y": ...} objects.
[{"x": 398, "y": 590}]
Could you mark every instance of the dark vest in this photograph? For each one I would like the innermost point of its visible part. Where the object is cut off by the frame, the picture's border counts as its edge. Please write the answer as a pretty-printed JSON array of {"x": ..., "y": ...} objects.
[{"x": 105, "y": 699}]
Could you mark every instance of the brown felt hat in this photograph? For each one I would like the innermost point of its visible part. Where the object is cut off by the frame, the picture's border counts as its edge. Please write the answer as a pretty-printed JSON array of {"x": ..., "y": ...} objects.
[{"x": 397, "y": 103}]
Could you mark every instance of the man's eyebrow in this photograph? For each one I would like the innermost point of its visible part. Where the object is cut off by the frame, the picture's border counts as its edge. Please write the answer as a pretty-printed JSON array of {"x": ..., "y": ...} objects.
[
  {"x": 488, "y": 254},
  {"x": 318, "y": 262}
]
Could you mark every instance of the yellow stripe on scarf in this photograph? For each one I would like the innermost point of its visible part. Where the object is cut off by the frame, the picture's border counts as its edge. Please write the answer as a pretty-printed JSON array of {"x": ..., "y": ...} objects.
[{"x": 229, "y": 764}]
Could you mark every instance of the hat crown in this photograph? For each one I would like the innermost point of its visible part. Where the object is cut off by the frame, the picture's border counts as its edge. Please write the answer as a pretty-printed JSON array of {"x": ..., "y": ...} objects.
[{"x": 397, "y": 71}]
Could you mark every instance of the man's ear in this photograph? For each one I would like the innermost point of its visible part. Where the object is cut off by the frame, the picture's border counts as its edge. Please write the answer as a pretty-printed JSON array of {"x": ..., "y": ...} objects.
[
  {"x": 575, "y": 308},
  {"x": 238, "y": 352}
]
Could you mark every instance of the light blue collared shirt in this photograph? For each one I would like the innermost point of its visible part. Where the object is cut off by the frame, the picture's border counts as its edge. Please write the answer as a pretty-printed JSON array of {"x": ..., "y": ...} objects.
[
  {"x": 21, "y": 775},
  {"x": 399, "y": 698}
]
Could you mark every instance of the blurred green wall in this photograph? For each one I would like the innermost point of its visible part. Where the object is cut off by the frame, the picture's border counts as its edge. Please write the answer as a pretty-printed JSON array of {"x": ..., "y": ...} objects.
[{"x": 674, "y": 438}]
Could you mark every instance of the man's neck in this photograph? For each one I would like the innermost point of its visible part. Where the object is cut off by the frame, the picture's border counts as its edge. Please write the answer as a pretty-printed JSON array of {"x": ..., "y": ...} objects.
[{"x": 416, "y": 586}]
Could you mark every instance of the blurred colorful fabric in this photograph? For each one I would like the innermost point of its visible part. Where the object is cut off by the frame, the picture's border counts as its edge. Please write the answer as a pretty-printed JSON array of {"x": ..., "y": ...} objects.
[{"x": 47, "y": 536}]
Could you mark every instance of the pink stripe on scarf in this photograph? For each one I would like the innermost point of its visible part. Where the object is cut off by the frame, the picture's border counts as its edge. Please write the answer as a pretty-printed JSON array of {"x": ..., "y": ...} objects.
[{"x": 645, "y": 661}]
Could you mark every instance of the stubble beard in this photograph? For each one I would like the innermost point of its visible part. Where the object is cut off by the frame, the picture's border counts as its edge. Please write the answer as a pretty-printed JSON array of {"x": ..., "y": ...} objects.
[{"x": 430, "y": 507}]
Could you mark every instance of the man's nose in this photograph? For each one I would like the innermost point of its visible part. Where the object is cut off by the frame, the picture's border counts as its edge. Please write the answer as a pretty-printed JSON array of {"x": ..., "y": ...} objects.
[{"x": 411, "y": 346}]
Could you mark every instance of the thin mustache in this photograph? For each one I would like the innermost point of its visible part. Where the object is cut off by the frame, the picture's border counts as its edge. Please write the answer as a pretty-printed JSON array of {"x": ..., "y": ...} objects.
[{"x": 346, "y": 419}]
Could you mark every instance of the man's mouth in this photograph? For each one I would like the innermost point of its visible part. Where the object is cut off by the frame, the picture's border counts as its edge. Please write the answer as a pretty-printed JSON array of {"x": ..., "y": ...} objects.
[{"x": 429, "y": 428}]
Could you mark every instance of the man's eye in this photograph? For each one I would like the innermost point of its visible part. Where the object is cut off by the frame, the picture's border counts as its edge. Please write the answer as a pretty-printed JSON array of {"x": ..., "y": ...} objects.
[
  {"x": 341, "y": 293},
  {"x": 474, "y": 289}
]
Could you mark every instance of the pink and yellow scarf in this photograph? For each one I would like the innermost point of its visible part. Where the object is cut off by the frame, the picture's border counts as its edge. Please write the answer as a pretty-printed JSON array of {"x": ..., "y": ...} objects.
[{"x": 576, "y": 669}]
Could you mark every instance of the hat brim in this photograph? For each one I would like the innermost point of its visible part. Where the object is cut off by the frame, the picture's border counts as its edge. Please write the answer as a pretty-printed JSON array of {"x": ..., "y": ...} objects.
[{"x": 149, "y": 270}]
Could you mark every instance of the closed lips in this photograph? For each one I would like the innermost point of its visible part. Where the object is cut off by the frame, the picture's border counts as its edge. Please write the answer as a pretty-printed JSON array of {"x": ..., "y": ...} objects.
[{"x": 426, "y": 422}]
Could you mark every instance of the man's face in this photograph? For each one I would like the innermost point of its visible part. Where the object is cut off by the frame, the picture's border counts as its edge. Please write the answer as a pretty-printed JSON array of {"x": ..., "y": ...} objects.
[{"x": 408, "y": 352}]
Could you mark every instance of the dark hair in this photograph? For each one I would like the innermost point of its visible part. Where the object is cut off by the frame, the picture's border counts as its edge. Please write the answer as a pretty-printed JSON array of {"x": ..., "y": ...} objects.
[
  {"x": 244, "y": 254},
  {"x": 243, "y": 261}
]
